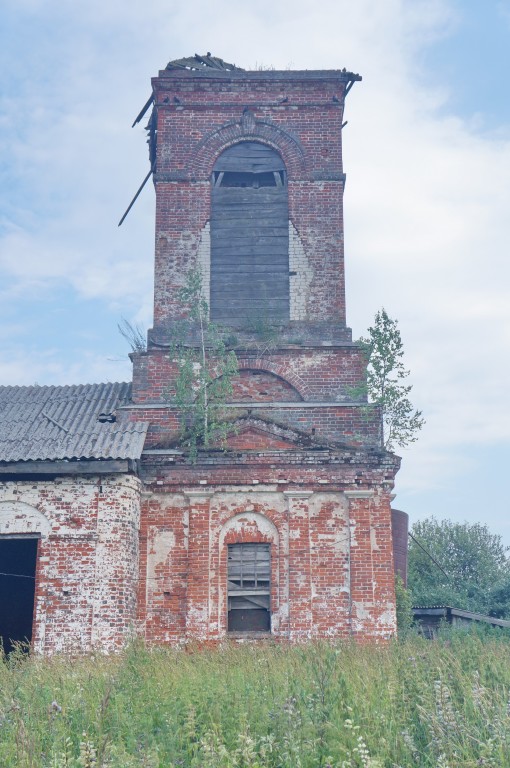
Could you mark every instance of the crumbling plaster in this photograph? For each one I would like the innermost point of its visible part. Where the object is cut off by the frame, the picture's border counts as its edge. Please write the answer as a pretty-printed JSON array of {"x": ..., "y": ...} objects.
[{"x": 87, "y": 565}]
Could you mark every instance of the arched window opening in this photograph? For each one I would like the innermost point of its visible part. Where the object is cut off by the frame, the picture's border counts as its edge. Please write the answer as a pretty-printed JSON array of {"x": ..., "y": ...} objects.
[
  {"x": 249, "y": 587},
  {"x": 249, "y": 235}
]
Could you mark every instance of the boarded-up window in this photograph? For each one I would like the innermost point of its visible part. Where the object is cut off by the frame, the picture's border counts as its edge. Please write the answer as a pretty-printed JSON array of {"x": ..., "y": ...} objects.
[
  {"x": 249, "y": 587},
  {"x": 249, "y": 235}
]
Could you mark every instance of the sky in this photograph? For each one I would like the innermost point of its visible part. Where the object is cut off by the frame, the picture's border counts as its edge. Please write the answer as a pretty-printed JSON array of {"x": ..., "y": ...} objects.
[{"x": 427, "y": 225}]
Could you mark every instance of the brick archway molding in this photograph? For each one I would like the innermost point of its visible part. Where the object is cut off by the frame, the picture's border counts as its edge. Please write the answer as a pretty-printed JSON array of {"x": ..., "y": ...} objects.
[
  {"x": 18, "y": 517},
  {"x": 248, "y": 129}
]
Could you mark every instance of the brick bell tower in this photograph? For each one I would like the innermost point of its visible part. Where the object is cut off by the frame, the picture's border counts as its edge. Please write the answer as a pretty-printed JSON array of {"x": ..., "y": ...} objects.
[{"x": 286, "y": 531}]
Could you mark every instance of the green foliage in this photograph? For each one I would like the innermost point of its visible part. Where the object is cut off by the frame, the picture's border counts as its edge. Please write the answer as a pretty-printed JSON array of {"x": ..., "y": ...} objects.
[
  {"x": 475, "y": 561},
  {"x": 315, "y": 705},
  {"x": 385, "y": 382},
  {"x": 133, "y": 334},
  {"x": 205, "y": 369},
  {"x": 404, "y": 602}
]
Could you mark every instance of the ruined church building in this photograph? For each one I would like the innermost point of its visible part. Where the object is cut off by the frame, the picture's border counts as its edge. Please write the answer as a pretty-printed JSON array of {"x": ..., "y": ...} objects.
[{"x": 107, "y": 528}]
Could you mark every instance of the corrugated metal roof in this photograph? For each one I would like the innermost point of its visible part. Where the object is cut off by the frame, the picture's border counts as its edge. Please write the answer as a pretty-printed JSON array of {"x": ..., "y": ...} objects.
[{"x": 51, "y": 423}]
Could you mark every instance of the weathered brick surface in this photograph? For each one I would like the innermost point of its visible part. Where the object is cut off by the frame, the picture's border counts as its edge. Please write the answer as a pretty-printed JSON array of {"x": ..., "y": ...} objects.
[
  {"x": 317, "y": 374},
  {"x": 200, "y": 117},
  {"x": 87, "y": 564},
  {"x": 330, "y": 537},
  {"x": 304, "y": 468}
]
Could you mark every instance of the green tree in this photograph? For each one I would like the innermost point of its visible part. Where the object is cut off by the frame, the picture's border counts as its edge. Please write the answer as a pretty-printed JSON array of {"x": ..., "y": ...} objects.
[
  {"x": 205, "y": 369},
  {"x": 386, "y": 385},
  {"x": 404, "y": 605},
  {"x": 474, "y": 572}
]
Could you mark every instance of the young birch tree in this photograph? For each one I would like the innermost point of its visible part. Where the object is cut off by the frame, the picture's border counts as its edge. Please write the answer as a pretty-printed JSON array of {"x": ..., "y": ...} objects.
[
  {"x": 205, "y": 369},
  {"x": 386, "y": 385}
]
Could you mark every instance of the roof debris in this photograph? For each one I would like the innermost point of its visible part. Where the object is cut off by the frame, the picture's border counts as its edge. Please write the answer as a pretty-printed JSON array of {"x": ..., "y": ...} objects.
[{"x": 197, "y": 62}]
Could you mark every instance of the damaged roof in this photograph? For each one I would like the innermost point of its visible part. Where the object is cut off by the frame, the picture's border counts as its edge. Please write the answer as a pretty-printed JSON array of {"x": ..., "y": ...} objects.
[
  {"x": 198, "y": 62},
  {"x": 62, "y": 422}
]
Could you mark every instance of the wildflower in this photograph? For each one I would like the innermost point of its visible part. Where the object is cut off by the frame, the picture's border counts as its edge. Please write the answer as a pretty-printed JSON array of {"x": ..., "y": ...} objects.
[
  {"x": 444, "y": 708},
  {"x": 364, "y": 754},
  {"x": 410, "y": 744},
  {"x": 88, "y": 754}
]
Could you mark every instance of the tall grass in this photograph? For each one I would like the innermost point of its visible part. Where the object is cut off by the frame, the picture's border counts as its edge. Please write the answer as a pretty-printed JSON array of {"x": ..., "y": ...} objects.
[{"x": 443, "y": 703}]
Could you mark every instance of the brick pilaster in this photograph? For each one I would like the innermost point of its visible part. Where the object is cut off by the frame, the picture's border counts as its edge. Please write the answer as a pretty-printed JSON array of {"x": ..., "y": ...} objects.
[
  {"x": 300, "y": 587},
  {"x": 198, "y": 607},
  {"x": 361, "y": 566}
]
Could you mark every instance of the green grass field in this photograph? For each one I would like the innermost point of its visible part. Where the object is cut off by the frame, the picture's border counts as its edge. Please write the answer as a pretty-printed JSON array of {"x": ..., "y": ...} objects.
[{"x": 413, "y": 702}]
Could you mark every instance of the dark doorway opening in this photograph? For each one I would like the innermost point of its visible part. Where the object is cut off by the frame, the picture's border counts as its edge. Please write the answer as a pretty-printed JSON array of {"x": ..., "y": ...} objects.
[{"x": 18, "y": 558}]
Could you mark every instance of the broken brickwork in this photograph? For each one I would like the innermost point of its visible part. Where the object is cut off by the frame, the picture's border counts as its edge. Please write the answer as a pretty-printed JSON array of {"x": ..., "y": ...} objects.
[
  {"x": 87, "y": 557},
  {"x": 304, "y": 470},
  {"x": 285, "y": 530}
]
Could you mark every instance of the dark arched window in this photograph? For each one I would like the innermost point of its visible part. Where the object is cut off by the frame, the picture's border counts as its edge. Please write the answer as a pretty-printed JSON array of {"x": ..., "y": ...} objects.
[{"x": 249, "y": 235}]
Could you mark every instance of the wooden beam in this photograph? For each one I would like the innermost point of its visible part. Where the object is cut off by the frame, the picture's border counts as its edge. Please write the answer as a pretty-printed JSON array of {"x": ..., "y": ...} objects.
[{"x": 107, "y": 467}]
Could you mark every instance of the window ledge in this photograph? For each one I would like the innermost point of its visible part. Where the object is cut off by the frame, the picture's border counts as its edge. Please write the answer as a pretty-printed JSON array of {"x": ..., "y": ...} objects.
[{"x": 251, "y": 635}]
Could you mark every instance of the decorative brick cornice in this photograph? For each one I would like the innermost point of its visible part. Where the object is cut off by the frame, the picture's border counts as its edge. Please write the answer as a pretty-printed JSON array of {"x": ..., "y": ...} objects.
[
  {"x": 359, "y": 494},
  {"x": 198, "y": 493}
]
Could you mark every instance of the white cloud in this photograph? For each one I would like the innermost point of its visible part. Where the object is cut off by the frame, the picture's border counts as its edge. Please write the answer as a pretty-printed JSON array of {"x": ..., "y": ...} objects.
[{"x": 427, "y": 227}]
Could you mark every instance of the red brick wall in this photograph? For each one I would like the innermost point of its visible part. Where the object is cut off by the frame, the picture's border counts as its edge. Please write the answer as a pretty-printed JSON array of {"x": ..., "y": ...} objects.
[
  {"x": 318, "y": 374},
  {"x": 331, "y": 564},
  {"x": 199, "y": 117},
  {"x": 305, "y": 471},
  {"x": 87, "y": 563},
  {"x": 308, "y": 389}
]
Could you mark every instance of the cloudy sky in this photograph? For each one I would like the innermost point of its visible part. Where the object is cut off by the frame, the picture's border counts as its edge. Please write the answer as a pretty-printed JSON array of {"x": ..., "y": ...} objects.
[{"x": 427, "y": 155}]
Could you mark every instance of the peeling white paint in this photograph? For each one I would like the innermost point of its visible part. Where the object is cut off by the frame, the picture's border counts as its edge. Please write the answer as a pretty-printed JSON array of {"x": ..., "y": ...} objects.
[
  {"x": 204, "y": 260},
  {"x": 363, "y": 611},
  {"x": 300, "y": 281},
  {"x": 387, "y": 619},
  {"x": 19, "y": 517},
  {"x": 87, "y": 569},
  {"x": 242, "y": 520},
  {"x": 352, "y": 530},
  {"x": 159, "y": 550}
]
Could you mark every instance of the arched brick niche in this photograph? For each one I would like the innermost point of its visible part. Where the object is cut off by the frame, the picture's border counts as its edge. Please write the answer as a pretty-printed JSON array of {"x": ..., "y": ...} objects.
[
  {"x": 256, "y": 385},
  {"x": 17, "y": 517},
  {"x": 249, "y": 572},
  {"x": 282, "y": 371}
]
